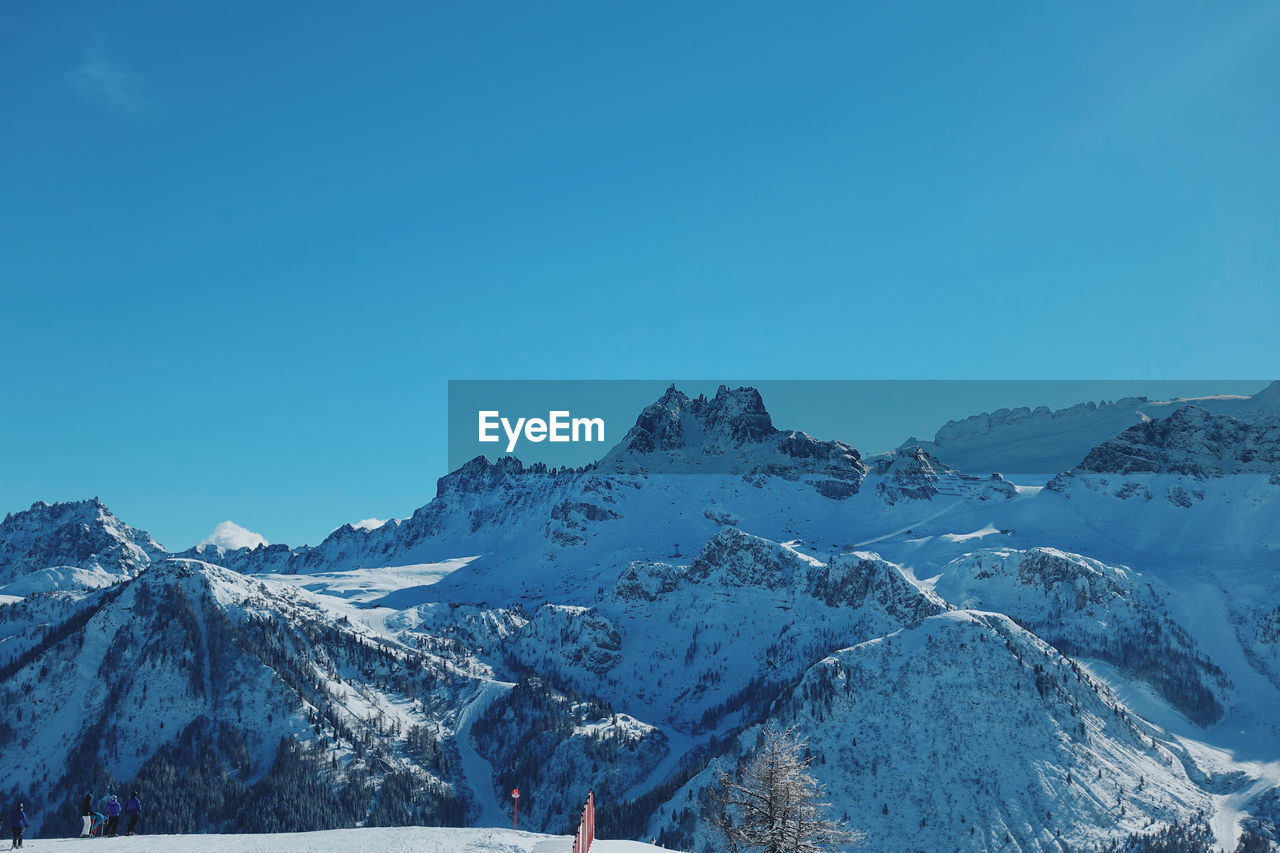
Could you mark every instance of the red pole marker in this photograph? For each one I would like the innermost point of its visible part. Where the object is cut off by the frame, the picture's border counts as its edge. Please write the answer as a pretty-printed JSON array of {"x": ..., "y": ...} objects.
[
  {"x": 591, "y": 818},
  {"x": 515, "y": 795}
]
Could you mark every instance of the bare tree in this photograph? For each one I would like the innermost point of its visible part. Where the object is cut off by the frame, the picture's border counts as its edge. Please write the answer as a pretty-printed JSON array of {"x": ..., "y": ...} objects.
[{"x": 774, "y": 804}]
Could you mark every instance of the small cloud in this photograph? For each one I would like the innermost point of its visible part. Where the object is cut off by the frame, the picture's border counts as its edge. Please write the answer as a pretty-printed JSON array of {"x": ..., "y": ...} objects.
[
  {"x": 230, "y": 535},
  {"x": 369, "y": 523},
  {"x": 101, "y": 80}
]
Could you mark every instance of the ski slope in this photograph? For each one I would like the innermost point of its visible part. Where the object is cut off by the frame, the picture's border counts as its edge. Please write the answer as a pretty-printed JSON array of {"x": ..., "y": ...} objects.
[
  {"x": 408, "y": 839},
  {"x": 477, "y": 771}
]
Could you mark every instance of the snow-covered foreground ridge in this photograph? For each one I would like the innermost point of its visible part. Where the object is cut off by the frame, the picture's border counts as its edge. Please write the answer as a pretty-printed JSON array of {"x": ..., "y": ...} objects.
[
  {"x": 975, "y": 665},
  {"x": 411, "y": 839}
]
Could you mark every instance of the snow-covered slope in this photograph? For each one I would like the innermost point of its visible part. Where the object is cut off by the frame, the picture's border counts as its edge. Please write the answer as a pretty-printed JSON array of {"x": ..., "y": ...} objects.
[
  {"x": 954, "y": 646},
  {"x": 1195, "y": 484},
  {"x": 1089, "y": 609},
  {"x": 257, "y": 679},
  {"x": 82, "y": 534},
  {"x": 708, "y": 661},
  {"x": 1044, "y": 442},
  {"x": 968, "y": 732},
  {"x": 409, "y": 839}
]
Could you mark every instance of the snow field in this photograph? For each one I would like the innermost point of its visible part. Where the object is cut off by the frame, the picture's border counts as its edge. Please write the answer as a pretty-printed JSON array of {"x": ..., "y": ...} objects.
[{"x": 408, "y": 839}]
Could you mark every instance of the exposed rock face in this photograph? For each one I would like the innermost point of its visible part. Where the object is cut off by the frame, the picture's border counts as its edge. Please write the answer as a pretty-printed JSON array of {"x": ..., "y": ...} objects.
[
  {"x": 589, "y": 639},
  {"x": 731, "y": 433},
  {"x": 263, "y": 558},
  {"x": 864, "y": 580},
  {"x": 730, "y": 419},
  {"x": 734, "y": 558},
  {"x": 1043, "y": 441},
  {"x": 990, "y": 422},
  {"x": 83, "y": 534},
  {"x": 648, "y": 581},
  {"x": 1027, "y": 440},
  {"x": 1190, "y": 442},
  {"x": 717, "y": 637},
  {"x": 1088, "y": 608},
  {"x": 912, "y": 473}
]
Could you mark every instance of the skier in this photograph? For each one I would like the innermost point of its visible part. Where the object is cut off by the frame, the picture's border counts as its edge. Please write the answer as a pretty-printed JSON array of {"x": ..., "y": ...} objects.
[
  {"x": 18, "y": 822},
  {"x": 86, "y": 814},
  {"x": 133, "y": 808},
  {"x": 99, "y": 821},
  {"x": 113, "y": 817}
]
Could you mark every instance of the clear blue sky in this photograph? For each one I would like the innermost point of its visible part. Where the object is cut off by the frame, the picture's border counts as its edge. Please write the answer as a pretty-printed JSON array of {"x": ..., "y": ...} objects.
[{"x": 244, "y": 246}]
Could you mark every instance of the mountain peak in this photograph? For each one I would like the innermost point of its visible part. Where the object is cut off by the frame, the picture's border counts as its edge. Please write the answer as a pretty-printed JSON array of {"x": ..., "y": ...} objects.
[
  {"x": 913, "y": 473},
  {"x": 86, "y": 510},
  {"x": 1191, "y": 441},
  {"x": 732, "y": 418},
  {"x": 1263, "y": 403},
  {"x": 1044, "y": 441},
  {"x": 1270, "y": 392},
  {"x": 83, "y": 534},
  {"x": 729, "y": 433},
  {"x": 739, "y": 412}
]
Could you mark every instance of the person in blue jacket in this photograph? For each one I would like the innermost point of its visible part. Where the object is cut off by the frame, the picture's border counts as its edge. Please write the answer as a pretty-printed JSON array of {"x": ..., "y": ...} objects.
[
  {"x": 133, "y": 808},
  {"x": 17, "y": 822},
  {"x": 113, "y": 817}
]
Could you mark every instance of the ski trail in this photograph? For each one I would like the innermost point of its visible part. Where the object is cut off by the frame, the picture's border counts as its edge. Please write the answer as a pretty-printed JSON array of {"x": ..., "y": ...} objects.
[
  {"x": 1229, "y": 809},
  {"x": 477, "y": 771},
  {"x": 678, "y": 747},
  {"x": 917, "y": 523}
]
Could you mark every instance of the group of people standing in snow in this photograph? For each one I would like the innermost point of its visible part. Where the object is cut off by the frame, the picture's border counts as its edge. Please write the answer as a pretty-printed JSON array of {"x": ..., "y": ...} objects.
[
  {"x": 108, "y": 825},
  {"x": 96, "y": 824}
]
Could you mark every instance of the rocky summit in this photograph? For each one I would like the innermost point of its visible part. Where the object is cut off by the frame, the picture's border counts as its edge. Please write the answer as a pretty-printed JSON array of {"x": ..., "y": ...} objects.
[{"x": 976, "y": 663}]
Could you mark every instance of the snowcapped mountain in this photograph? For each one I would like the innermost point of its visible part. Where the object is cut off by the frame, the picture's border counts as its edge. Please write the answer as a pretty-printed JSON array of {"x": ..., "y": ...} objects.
[
  {"x": 976, "y": 665},
  {"x": 730, "y": 433},
  {"x": 1193, "y": 443},
  {"x": 261, "y": 558},
  {"x": 1043, "y": 441},
  {"x": 1091, "y": 610},
  {"x": 1192, "y": 484},
  {"x": 918, "y": 733},
  {"x": 694, "y": 673},
  {"x": 912, "y": 473},
  {"x": 190, "y": 663},
  {"x": 63, "y": 537}
]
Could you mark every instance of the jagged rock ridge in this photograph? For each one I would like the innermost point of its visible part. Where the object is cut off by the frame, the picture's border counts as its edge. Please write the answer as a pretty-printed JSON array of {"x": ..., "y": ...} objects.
[{"x": 79, "y": 534}]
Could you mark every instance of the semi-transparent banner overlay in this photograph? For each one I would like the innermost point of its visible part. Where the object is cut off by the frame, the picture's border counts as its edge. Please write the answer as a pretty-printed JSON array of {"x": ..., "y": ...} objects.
[{"x": 1019, "y": 428}]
